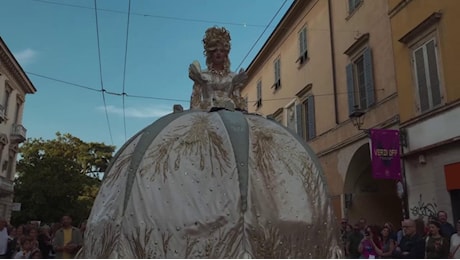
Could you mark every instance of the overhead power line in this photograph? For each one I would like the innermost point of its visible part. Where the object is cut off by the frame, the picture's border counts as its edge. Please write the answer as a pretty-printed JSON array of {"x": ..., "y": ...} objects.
[
  {"x": 168, "y": 99},
  {"x": 124, "y": 67},
  {"x": 260, "y": 36},
  {"x": 100, "y": 73},
  {"x": 155, "y": 16},
  {"x": 105, "y": 91}
]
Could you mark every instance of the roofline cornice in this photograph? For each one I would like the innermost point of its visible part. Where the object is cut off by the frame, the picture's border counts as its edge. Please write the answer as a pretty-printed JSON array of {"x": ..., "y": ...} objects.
[
  {"x": 286, "y": 22},
  {"x": 12, "y": 65}
]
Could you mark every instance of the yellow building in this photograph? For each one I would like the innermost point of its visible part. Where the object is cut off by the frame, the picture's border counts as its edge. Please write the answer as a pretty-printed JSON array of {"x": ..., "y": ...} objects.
[
  {"x": 427, "y": 60},
  {"x": 325, "y": 60},
  {"x": 14, "y": 85}
]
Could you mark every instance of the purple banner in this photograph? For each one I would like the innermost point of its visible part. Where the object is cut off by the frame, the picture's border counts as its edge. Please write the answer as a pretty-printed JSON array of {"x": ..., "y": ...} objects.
[{"x": 385, "y": 154}]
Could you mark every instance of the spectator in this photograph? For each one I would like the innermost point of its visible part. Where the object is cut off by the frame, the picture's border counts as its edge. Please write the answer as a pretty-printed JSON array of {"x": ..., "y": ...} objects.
[
  {"x": 420, "y": 227},
  {"x": 391, "y": 229},
  {"x": 455, "y": 243},
  {"x": 3, "y": 239},
  {"x": 67, "y": 240},
  {"x": 369, "y": 245},
  {"x": 362, "y": 225},
  {"x": 353, "y": 242},
  {"x": 412, "y": 244},
  {"x": 33, "y": 233},
  {"x": 83, "y": 228},
  {"x": 436, "y": 246},
  {"x": 26, "y": 247},
  {"x": 12, "y": 242},
  {"x": 343, "y": 232},
  {"x": 447, "y": 229},
  {"x": 44, "y": 241},
  {"x": 388, "y": 243}
]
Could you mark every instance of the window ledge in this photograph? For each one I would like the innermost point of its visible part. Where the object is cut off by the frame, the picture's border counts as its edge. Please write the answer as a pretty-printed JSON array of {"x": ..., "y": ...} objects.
[
  {"x": 423, "y": 26},
  {"x": 357, "y": 44}
]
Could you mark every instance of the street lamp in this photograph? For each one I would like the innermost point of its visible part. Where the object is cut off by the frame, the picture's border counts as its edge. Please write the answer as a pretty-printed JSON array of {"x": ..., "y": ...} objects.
[{"x": 357, "y": 117}]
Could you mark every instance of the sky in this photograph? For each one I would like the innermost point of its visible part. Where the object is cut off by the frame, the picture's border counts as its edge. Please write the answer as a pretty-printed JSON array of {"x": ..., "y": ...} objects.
[{"x": 145, "y": 54}]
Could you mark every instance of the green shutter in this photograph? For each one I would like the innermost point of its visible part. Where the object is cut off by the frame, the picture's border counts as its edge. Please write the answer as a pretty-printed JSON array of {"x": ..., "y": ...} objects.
[
  {"x": 369, "y": 78},
  {"x": 311, "y": 118},
  {"x": 298, "y": 119},
  {"x": 350, "y": 88}
]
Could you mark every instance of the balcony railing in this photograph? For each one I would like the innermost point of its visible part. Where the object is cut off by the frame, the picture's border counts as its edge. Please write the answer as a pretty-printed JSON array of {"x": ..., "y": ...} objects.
[{"x": 18, "y": 135}]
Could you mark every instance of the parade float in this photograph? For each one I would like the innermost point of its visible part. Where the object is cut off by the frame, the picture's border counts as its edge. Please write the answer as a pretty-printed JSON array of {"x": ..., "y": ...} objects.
[{"x": 213, "y": 182}]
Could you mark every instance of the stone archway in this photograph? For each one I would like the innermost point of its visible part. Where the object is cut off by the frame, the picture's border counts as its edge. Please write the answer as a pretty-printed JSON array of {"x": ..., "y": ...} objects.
[{"x": 374, "y": 199}]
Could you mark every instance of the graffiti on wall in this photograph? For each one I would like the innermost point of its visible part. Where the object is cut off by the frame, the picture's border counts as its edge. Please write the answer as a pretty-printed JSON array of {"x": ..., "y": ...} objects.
[{"x": 424, "y": 209}]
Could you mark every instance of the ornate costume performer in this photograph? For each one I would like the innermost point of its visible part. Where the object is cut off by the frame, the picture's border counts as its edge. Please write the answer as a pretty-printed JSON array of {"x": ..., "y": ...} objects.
[
  {"x": 217, "y": 86},
  {"x": 213, "y": 183}
]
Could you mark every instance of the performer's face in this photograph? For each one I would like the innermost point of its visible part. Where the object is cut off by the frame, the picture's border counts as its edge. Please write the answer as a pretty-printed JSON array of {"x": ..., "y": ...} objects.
[{"x": 218, "y": 55}]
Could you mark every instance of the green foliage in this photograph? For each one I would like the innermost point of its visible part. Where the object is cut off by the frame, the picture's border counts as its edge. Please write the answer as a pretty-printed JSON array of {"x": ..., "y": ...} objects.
[{"x": 58, "y": 176}]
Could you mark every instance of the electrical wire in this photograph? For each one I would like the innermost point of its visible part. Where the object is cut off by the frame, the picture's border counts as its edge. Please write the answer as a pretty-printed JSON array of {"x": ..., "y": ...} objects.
[
  {"x": 260, "y": 36},
  {"x": 155, "y": 16},
  {"x": 124, "y": 68},
  {"x": 100, "y": 73},
  {"x": 170, "y": 99}
]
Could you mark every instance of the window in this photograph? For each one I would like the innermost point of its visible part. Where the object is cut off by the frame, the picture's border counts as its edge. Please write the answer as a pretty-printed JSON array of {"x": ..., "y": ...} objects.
[
  {"x": 425, "y": 62},
  {"x": 18, "y": 110},
  {"x": 422, "y": 42},
  {"x": 353, "y": 5},
  {"x": 259, "y": 94},
  {"x": 307, "y": 118},
  {"x": 6, "y": 99},
  {"x": 303, "y": 51},
  {"x": 360, "y": 82},
  {"x": 277, "y": 69}
]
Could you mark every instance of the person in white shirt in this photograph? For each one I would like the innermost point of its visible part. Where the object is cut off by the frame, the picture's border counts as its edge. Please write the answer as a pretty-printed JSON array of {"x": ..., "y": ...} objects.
[
  {"x": 455, "y": 243},
  {"x": 3, "y": 239}
]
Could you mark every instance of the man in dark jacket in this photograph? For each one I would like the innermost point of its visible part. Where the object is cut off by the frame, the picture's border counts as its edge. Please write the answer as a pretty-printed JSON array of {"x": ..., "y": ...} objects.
[
  {"x": 352, "y": 243},
  {"x": 447, "y": 229},
  {"x": 412, "y": 245}
]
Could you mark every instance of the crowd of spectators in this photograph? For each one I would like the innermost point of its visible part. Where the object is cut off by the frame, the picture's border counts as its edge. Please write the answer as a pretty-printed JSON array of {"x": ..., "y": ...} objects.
[
  {"x": 35, "y": 240},
  {"x": 435, "y": 238}
]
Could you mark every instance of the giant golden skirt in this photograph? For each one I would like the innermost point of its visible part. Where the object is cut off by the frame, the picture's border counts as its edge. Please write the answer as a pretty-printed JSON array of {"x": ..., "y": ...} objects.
[{"x": 222, "y": 184}]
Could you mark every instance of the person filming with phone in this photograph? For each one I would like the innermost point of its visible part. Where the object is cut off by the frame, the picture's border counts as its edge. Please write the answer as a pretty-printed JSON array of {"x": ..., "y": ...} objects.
[{"x": 370, "y": 245}]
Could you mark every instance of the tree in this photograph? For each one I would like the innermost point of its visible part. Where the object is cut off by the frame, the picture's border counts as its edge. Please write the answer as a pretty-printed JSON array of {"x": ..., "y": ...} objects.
[{"x": 58, "y": 176}]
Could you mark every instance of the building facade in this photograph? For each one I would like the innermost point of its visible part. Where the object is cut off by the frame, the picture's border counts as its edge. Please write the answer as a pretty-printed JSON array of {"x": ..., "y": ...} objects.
[
  {"x": 425, "y": 39},
  {"x": 14, "y": 86},
  {"x": 324, "y": 61}
]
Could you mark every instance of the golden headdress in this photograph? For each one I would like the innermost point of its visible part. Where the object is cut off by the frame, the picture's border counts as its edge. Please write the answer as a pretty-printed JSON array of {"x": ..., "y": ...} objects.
[{"x": 214, "y": 36}]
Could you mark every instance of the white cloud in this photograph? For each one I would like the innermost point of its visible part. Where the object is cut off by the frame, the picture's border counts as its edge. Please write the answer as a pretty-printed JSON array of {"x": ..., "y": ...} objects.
[
  {"x": 26, "y": 56},
  {"x": 144, "y": 112}
]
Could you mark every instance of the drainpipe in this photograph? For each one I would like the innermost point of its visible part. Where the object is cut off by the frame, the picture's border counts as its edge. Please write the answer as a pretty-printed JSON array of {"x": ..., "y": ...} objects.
[{"x": 334, "y": 80}]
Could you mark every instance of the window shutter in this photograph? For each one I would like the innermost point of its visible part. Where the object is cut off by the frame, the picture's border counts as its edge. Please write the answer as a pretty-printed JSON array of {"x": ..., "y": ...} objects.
[
  {"x": 351, "y": 5},
  {"x": 300, "y": 43},
  {"x": 350, "y": 88},
  {"x": 369, "y": 78},
  {"x": 305, "y": 49},
  {"x": 298, "y": 119},
  {"x": 421, "y": 79},
  {"x": 433, "y": 73},
  {"x": 311, "y": 118}
]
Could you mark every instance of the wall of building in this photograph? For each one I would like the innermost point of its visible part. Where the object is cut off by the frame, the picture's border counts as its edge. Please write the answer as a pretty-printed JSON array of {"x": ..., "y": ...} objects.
[
  {"x": 406, "y": 19},
  {"x": 432, "y": 136},
  {"x": 12, "y": 78},
  {"x": 337, "y": 140}
]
